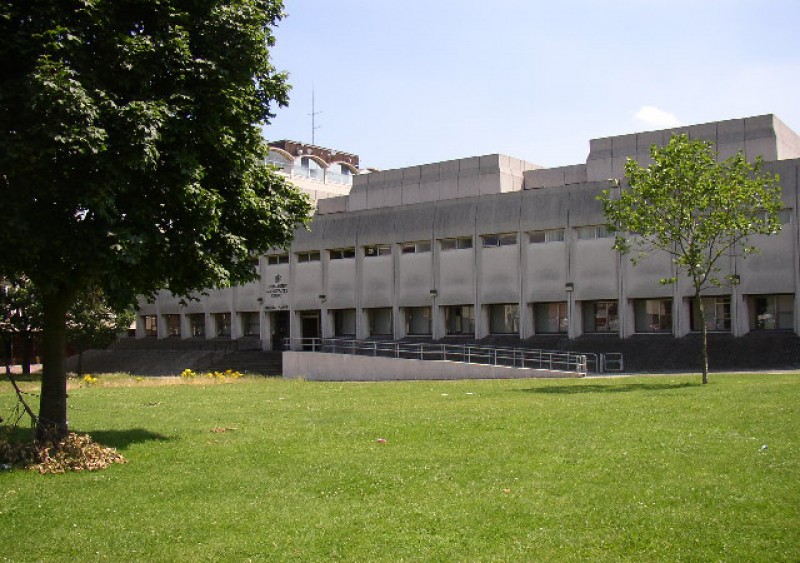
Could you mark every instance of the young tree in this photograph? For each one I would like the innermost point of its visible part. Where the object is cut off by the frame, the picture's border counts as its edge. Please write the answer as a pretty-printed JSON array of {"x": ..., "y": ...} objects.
[
  {"x": 92, "y": 323},
  {"x": 132, "y": 157},
  {"x": 20, "y": 317},
  {"x": 695, "y": 208}
]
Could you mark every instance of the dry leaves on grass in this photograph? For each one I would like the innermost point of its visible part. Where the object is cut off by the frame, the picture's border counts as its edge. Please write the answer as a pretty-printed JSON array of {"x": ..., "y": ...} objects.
[{"x": 74, "y": 453}]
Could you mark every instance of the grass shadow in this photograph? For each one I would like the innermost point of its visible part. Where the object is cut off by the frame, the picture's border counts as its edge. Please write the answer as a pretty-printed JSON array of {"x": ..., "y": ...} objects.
[
  {"x": 121, "y": 439},
  {"x": 608, "y": 388}
]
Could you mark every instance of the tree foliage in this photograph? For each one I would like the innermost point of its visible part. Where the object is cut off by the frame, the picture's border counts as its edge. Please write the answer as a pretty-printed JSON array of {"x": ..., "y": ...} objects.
[
  {"x": 694, "y": 207},
  {"x": 132, "y": 157}
]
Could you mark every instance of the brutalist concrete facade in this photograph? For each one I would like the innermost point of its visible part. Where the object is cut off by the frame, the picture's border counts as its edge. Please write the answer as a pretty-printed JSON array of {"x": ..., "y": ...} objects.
[{"x": 496, "y": 245}]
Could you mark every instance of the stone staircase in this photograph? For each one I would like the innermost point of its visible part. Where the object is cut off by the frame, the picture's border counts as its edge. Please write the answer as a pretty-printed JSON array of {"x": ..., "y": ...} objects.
[
  {"x": 250, "y": 362},
  {"x": 170, "y": 356}
]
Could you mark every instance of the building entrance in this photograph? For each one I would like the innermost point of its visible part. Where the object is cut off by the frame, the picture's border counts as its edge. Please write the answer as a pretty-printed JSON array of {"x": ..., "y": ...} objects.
[
  {"x": 279, "y": 328},
  {"x": 310, "y": 327}
]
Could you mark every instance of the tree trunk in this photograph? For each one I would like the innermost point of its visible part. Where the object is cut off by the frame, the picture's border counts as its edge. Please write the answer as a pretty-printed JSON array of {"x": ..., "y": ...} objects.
[
  {"x": 53, "y": 401},
  {"x": 79, "y": 370},
  {"x": 704, "y": 334},
  {"x": 7, "y": 353},
  {"x": 26, "y": 353}
]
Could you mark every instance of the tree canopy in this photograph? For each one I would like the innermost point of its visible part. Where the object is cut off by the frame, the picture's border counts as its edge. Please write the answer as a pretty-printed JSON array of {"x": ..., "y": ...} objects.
[
  {"x": 132, "y": 155},
  {"x": 694, "y": 207}
]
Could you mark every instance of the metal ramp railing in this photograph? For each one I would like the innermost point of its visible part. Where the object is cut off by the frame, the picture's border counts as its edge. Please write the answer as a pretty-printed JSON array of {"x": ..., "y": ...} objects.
[{"x": 579, "y": 362}]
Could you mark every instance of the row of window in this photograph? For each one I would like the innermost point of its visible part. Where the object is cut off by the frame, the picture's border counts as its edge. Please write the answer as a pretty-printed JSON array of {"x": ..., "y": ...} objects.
[
  {"x": 221, "y": 322},
  {"x": 588, "y": 232},
  {"x": 446, "y": 244},
  {"x": 769, "y": 312}
]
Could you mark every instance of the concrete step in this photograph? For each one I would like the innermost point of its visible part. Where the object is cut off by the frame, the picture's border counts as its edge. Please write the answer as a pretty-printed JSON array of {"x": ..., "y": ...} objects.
[{"x": 251, "y": 361}]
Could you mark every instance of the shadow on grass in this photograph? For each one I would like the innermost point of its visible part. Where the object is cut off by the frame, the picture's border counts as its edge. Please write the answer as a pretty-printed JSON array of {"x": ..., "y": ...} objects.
[
  {"x": 121, "y": 439},
  {"x": 608, "y": 388}
]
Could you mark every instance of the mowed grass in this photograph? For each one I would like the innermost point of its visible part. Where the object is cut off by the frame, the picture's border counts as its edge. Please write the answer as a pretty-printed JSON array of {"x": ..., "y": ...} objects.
[{"x": 637, "y": 469}]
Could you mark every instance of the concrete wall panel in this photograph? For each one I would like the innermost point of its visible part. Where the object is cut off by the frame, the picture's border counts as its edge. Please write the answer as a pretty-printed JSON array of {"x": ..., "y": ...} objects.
[
  {"x": 307, "y": 285},
  {"x": 415, "y": 280},
  {"x": 456, "y": 277},
  {"x": 594, "y": 270},
  {"x": 500, "y": 275},
  {"x": 377, "y": 288},
  {"x": 546, "y": 272},
  {"x": 341, "y": 284}
]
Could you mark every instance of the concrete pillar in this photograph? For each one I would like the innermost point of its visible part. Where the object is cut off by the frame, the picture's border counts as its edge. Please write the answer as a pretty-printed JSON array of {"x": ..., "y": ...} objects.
[
  {"x": 575, "y": 312},
  {"x": 265, "y": 327},
  {"x": 211, "y": 329},
  {"x": 162, "y": 330},
  {"x": 186, "y": 327},
  {"x": 140, "y": 326}
]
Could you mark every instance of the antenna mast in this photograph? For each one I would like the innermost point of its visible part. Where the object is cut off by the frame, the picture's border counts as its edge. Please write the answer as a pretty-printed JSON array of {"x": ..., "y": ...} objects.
[{"x": 313, "y": 114}]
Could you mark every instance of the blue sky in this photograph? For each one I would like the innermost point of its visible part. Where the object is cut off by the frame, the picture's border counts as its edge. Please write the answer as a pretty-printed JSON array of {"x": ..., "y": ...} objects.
[{"x": 410, "y": 82}]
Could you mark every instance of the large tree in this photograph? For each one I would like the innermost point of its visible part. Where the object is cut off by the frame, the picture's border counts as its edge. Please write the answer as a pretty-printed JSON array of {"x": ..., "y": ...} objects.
[
  {"x": 695, "y": 208},
  {"x": 131, "y": 154}
]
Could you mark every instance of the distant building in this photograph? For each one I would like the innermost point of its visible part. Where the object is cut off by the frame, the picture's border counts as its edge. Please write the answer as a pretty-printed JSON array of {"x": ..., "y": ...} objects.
[
  {"x": 491, "y": 245},
  {"x": 318, "y": 171}
]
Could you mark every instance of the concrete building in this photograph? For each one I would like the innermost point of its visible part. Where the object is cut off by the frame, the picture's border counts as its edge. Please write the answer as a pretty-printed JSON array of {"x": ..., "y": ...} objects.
[{"x": 491, "y": 245}]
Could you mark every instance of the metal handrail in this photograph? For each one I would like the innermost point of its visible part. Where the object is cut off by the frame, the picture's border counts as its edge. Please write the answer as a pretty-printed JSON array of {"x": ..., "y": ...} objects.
[{"x": 468, "y": 353}]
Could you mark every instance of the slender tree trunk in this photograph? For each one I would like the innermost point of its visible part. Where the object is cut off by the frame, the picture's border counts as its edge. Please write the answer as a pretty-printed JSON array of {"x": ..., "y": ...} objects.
[
  {"x": 53, "y": 401},
  {"x": 80, "y": 363},
  {"x": 7, "y": 353},
  {"x": 704, "y": 334},
  {"x": 26, "y": 353}
]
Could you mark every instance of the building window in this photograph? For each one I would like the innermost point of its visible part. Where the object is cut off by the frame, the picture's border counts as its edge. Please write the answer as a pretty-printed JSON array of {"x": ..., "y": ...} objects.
[
  {"x": 250, "y": 324},
  {"x": 255, "y": 265},
  {"x": 653, "y": 315},
  {"x": 276, "y": 159},
  {"x": 504, "y": 239},
  {"x": 276, "y": 259},
  {"x": 600, "y": 316},
  {"x": 550, "y": 318},
  {"x": 594, "y": 232},
  {"x": 548, "y": 235},
  {"x": 460, "y": 320},
  {"x": 222, "y": 324},
  {"x": 418, "y": 247},
  {"x": 173, "y": 323},
  {"x": 377, "y": 250},
  {"x": 342, "y": 253},
  {"x": 309, "y": 168},
  {"x": 771, "y": 312},
  {"x": 312, "y": 256},
  {"x": 197, "y": 325},
  {"x": 784, "y": 216},
  {"x": 504, "y": 319},
  {"x": 455, "y": 243},
  {"x": 718, "y": 314},
  {"x": 380, "y": 321},
  {"x": 418, "y": 321},
  {"x": 150, "y": 323},
  {"x": 344, "y": 322}
]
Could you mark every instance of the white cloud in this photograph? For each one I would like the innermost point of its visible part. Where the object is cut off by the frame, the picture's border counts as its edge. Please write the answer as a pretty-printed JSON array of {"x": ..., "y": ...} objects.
[{"x": 653, "y": 117}]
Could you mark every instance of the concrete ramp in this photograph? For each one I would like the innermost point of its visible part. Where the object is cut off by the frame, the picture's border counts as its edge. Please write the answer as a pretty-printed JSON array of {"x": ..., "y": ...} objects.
[{"x": 318, "y": 366}]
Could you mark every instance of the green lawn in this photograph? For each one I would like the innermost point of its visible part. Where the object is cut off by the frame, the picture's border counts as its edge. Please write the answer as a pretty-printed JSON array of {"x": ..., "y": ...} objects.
[{"x": 637, "y": 469}]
